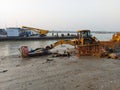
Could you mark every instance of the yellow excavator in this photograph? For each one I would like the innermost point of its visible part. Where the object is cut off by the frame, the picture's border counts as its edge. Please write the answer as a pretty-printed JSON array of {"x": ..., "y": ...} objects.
[
  {"x": 42, "y": 32},
  {"x": 113, "y": 43},
  {"x": 84, "y": 37},
  {"x": 85, "y": 43},
  {"x": 116, "y": 37}
]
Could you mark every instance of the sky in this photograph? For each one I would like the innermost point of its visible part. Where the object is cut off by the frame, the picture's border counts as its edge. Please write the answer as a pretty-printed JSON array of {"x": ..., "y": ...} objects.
[{"x": 95, "y": 15}]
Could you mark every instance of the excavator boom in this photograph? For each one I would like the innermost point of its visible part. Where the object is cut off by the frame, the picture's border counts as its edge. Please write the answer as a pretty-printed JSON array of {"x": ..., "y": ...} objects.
[
  {"x": 64, "y": 42},
  {"x": 60, "y": 42}
]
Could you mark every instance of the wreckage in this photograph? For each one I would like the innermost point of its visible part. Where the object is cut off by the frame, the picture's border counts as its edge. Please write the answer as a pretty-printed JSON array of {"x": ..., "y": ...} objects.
[
  {"x": 85, "y": 43},
  {"x": 25, "y": 52}
]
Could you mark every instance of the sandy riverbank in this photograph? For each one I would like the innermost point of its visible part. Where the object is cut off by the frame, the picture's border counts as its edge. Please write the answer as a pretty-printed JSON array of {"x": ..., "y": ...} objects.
[{"x": 62, "y": 73}]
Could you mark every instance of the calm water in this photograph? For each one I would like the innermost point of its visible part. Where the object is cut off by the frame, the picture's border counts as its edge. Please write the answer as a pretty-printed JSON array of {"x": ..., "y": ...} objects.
[
  {"x": 11, "y": 47},
  {"x": 8, "y": 48}
]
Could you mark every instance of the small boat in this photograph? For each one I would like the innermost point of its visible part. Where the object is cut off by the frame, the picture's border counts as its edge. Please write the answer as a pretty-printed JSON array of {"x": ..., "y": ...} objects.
[{"x": 25, "y": 52}]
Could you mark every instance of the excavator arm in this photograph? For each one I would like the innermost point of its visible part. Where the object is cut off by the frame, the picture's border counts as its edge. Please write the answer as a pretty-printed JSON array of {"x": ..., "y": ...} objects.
[
  {"x": 70, "y": 42},
  {"x": 64, "y": 42},
  {"x": 40, "y": 31}
]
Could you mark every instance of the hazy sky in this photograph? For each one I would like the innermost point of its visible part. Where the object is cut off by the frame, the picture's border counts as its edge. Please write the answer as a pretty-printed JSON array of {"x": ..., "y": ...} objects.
[{"x": 61, "y": 14}]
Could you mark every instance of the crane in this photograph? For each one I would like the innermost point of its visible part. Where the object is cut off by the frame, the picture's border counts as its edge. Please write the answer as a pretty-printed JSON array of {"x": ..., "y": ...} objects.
[{"x": 42, "y": 32}]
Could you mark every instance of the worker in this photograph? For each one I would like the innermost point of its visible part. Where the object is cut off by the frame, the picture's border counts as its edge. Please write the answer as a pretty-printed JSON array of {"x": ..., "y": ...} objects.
[
  {"x": 68, "y": 34},
  {"x": 85, "y": 35},
  {"x": 52, "y": 34},
  {"x": 62, "y": 35},
  {"x": 51, "y": 46},
  {"x": 57, "y": 34}
]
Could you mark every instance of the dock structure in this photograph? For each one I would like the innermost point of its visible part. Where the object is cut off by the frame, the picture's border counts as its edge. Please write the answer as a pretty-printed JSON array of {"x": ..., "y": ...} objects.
[
  {"x": 35, "y": 38},
  {"x": 52, "y": 35}
]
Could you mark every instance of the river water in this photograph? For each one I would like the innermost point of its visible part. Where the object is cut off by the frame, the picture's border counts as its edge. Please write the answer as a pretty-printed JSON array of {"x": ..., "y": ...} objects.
[{"x": 8, "y": 48}]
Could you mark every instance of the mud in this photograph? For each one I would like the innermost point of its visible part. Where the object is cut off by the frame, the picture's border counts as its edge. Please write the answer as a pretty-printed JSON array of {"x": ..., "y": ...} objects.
[{"x": 59, "y": 73}]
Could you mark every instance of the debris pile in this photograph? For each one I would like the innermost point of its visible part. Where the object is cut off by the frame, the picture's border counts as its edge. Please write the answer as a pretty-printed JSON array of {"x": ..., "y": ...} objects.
[
  {"x": 61, "y": 54},
  {"x": 111, "y": 53}
]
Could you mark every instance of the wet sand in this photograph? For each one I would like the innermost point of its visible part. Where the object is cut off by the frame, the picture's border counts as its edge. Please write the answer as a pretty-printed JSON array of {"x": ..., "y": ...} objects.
[{"x": 61, "y": 73}]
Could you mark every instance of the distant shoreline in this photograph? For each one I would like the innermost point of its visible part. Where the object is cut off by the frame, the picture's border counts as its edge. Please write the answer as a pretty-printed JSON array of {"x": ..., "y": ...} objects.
[{"x": 34, "y": 38}]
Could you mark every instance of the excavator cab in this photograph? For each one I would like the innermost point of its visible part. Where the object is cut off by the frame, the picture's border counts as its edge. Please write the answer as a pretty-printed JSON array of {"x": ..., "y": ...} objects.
[
  {"x": 88, "y": 45},
  {"x": 85, "y": 37},
  {"x": 84, "y": 33}
]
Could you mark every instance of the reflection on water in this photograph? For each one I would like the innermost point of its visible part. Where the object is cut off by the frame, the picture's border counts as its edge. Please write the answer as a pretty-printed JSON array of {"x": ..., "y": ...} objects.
[{"x": 11, "y": 47}]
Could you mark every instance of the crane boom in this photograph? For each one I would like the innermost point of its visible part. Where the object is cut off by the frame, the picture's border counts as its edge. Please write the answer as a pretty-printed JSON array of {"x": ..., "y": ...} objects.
[{"x": 40, "y": 31}]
